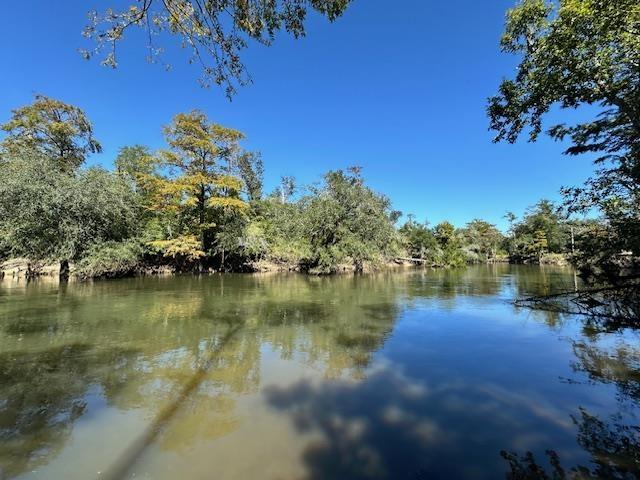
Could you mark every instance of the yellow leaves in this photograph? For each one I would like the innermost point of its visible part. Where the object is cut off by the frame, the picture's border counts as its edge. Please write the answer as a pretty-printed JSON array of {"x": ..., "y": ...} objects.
[
  {"x": 197, "y": 145},
  {"x": 195, "y": 181},
  {"x": 186, "y": 246},
  {"x": 164, "y": 194},
  {"x": 186, "y": 192},
  {"x": 228, "y": 182},
  {"x": 228, "y": 202}
]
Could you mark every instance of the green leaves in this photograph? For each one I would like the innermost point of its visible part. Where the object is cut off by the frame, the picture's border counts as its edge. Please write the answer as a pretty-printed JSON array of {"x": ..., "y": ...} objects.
[
  {"x": 46, "y": 214},
  {"x": 575, "y": 53},
  {"x": 60, "y": 131},
  {"x": 345, "y": 221},
  {"x": 215, "y": 33}
]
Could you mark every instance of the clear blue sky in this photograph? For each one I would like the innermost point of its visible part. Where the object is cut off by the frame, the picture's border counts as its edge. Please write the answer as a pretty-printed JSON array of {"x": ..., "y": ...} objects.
[{"x": 398, "y": 88}]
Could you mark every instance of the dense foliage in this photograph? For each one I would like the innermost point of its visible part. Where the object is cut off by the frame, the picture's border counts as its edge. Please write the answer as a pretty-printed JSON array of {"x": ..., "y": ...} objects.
[
  {"x": 576, "y": 53},
  {"x": 199, "y": 205},
  {"x": 195, "y": 205}
]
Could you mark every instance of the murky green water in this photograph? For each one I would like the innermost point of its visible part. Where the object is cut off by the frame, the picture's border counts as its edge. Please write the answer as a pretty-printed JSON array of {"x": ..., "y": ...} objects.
[{"x": 416, "y": 375}]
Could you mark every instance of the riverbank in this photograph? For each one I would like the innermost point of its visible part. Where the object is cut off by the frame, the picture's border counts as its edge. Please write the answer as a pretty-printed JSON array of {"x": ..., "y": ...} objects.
[{"x": 21, "y": 268}]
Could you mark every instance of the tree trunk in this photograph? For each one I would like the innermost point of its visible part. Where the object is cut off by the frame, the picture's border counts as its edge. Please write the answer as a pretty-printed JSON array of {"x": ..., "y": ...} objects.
[
  {"x": 31, "y": 272},
  {"x": 64, "y": 270},
  {"x": 359, "y": 267}
]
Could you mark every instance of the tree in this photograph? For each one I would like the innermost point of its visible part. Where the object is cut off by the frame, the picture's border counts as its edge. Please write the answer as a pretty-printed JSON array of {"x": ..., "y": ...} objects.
[
  {"x": 50, "y": 215},
  {"x": 419, "y": 240},
  {"x": 201, "y": 189},
  {"x": 540, "y": 243},
  {"x": 215, "y": 32},
  {"x": 482, "y": 240},
  {"x": 575, "y": 53},
  {"x": 135, "y": 163},
  {"x": 541, "y": 230},
  {"x": 60, "y": 131},
  {"x": 286, "y": 189},
  {"x": 450, "y": 254},
  {"x": 282, "y": 226},
  {"x": 251, "y": 170},
  {"x": 345, "y": 221}
]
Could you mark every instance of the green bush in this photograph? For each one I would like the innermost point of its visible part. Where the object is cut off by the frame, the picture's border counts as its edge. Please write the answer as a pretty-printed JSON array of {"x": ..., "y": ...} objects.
[{"x": 111, "y": 260}]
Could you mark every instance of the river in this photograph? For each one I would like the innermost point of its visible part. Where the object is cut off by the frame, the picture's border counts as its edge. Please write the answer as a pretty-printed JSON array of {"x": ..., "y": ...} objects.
[{"x": 416, "y": 374}]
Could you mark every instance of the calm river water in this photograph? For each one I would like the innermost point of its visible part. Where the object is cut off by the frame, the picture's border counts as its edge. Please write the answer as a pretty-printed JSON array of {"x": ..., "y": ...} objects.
[{"x": 416, "y": 374}]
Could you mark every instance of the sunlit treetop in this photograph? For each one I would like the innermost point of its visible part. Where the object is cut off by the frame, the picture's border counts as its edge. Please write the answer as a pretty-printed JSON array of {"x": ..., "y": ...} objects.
[
  {"x": 60, "y": 131},
  {"x": 199, "y": 145},
  {"x": 215, "y": 31},
  {"x": 572, "y": 52}
]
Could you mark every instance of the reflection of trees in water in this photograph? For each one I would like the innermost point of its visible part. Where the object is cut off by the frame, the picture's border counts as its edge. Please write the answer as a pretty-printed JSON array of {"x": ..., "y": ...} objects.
[
  {"x": 614, "y": 450},
  {"x": 447, "y": 284},
  {"x": 543, "y": 280},
  {"x": 42, "y": 396},
  {"x": 164, "y": 332},
  {"x": 140, "y": 341},
  {"x": 612, "y": 443},
  {"x": 618, "y": 365}
]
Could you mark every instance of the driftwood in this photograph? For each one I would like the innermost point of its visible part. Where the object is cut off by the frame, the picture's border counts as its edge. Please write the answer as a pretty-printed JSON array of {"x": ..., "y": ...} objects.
[
  {"x": 615, "y": 306},
  {"x": 412, "y": 260}
]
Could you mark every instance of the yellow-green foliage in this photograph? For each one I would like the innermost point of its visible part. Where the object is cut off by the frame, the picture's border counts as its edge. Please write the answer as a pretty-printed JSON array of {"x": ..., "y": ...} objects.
[
  {"x": 199, "y": 196},
  {"x": 60, "y": 131},
  {"x": 185, "y": 247}
]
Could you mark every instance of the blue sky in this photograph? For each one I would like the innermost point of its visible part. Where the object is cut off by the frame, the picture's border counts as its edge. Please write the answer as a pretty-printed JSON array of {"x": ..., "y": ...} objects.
[{"x": 400, "y": 91}]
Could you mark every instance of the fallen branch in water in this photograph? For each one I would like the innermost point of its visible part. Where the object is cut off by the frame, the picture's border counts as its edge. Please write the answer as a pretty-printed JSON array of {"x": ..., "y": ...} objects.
[{"x": 617, "y": 306}]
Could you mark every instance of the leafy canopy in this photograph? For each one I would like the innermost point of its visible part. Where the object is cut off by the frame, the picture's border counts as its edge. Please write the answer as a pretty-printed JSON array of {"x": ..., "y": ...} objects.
[
  {"x": 345, "y": 221},
  {"x": 201, "y": 189},
  {"x": 60, "y": 131},
  {"x": 575, "y": 53},
  {"x": 50, "y": 215},
  {"x": 215, "y": 31}
]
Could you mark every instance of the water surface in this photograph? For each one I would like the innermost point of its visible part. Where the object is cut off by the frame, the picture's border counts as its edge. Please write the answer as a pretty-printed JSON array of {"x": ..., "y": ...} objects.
[{"x": 416, "y": 374}]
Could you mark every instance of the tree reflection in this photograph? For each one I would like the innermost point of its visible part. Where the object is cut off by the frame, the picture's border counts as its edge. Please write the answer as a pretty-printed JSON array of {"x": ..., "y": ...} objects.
[
  {"x": 161, "y": 335},
  {"x": 613, "y": 443},
  {"x": 137, "y": 343},
  {"x": 43, "y": 394},
  {"x": 614, "y": 450}
]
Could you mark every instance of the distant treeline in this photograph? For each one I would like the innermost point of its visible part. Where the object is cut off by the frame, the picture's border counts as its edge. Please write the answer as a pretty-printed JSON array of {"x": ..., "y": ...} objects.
[{"x": 199, "y": 205}]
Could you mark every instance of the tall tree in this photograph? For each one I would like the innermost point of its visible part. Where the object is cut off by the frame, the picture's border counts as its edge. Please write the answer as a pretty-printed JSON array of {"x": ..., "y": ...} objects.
[
  {"x": 541, "y": 230},
  {"x": 286, "y": 189},
  {"x": 482, "y": 240},
  {"x": 135, "y": 163},
  {"x": 201, "y": 189},
  {"x": 60, "y": 131},
  {"x": 419, "y": 240},
  {"x": 215, "y": 31},
  {"x": 575, "y": 53},
  {"x": 450, "y": 254}
]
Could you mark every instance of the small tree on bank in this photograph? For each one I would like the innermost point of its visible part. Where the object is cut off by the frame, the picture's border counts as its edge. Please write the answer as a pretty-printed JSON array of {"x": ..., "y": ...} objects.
[{"x": 345, "y": 221}]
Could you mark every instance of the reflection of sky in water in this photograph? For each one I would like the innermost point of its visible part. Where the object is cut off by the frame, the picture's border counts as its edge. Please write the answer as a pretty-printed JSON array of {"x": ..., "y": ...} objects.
[{"x": 406, "y": 375}]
